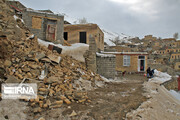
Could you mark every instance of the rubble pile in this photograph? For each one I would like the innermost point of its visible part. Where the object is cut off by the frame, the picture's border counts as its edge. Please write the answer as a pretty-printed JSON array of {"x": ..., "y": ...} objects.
[{"x": 60, "y": 79}]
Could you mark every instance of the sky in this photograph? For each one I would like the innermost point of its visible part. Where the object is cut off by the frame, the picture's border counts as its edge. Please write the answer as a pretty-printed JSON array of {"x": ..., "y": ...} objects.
[{"x": 160, "y": 18}]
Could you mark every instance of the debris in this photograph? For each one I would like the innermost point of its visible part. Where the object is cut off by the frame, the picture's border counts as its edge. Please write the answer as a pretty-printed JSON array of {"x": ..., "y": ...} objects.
[
  {"x": 67, "y": 101},
  {"x": 40, "y": 56},
  {"x": 73, "y": 114},
  {"x": 37, "y": 110},
  {"x": 52, "y": 79},
  {"x": 12, "y": 79},
  {"x": 42, "y": 76},
  {"x": 54, "y": 58},
  {"x": 52, "y": 47},
  {"x": 7, "y": 63},
  {"x": 41, "y": 118}
]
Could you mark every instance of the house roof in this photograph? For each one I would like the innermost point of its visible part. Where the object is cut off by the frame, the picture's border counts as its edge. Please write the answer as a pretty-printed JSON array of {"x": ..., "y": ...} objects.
[{"x": 126, "y": 53}]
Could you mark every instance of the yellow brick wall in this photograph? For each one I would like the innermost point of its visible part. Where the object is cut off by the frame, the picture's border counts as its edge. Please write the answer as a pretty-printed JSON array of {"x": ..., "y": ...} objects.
[
  {"x": 133, "y": 63},
  {"x": 176, "y": 66},
  {"x": 90, "y": 29}
]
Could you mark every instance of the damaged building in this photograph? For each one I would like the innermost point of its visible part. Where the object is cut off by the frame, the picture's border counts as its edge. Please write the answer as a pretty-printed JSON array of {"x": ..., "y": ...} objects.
[
  {"x": 79, "y": 34},
  {"x": 43, "y": 23},
  {"x": 46, "y": 26}
]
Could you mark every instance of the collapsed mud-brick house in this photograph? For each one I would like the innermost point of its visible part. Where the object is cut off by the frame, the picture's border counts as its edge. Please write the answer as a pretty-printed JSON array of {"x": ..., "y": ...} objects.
[
  {"x": 131, "y": 62},
  {"x": 43, "y": 23},
  {"x": 16, "y": 6},
  {"x": 46, "y": 26},
  {"x": 79, "y": 34}
]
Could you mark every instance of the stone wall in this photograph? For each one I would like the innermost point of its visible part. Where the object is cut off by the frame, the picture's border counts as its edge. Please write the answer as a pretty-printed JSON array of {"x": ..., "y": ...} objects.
[
  {"x": 44, "y": 19},
  {"x": 99, "y": 63},
  {"x": 90, "y": 55},
  {"x": 106, "y": 66}
]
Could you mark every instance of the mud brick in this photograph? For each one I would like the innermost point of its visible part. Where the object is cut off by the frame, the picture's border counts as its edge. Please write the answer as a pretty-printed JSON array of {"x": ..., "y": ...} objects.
[
  {"x": 67, "y": 101},
  {"x": 37, "y": 110}
]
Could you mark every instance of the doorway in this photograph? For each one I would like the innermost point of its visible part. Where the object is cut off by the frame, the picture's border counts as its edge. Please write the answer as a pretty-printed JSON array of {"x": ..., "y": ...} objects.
[
  {"x": 66, "y": 36},
  {"x": 141, "y": 63},
  {"x": 82, "y": 36}
]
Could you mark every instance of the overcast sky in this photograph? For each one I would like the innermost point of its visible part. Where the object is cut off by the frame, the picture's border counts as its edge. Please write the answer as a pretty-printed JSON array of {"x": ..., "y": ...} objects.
[{"x": 132, "y": 17}]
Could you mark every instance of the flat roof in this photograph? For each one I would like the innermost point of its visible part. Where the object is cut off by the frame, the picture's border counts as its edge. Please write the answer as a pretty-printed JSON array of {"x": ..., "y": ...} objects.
[{"x": 126, "y": 53}]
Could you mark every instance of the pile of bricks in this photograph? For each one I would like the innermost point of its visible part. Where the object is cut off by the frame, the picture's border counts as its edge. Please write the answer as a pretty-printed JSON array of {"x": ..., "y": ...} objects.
[{"x": 23, "y": 59}]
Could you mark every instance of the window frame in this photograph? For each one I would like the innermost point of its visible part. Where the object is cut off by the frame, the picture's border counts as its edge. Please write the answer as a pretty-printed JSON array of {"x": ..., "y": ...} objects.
[{"x": 126, "y": 60}]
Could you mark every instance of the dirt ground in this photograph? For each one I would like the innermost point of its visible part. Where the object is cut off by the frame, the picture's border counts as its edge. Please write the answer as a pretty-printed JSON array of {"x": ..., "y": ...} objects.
[{"x": 109, "y": 103}]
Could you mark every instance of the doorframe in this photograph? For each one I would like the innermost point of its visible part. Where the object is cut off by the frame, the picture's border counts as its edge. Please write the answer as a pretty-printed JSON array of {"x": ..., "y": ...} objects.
[{"x": 139, "y": 63}]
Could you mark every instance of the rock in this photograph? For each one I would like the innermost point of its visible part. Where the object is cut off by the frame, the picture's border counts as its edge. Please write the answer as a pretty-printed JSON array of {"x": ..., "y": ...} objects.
[
  {"x": 41, "y": 118},
  {"x": 26, "y": 69},
  {"x": 54, "y": 58},
  {"x": 33, "y": 104},
  {"x": 41, "y": 104},
  {"x": 46, "y": 60},
  {"x": 48, "y": 102},
  {"x": 2, "y": 72},
  {"x": 59, "y": 102},
  {"x": 37, "y": 99},
  {"x": 83, "y": 100},
  {"x": 78, "y": 95},
  {"x": 51, "y": 92},
  {"x": 35, "y": 72},
  {"x": 68, "y": 93},
  {"x": 7, "y": 63},
  {"x": 37, "y": 110},
  {"x": 41, "y": 97},
  {"x": 52, "y": 79},
  {"x": 29, "y": 75},
  {"x": 43, "y": 89},
  {"x": 34, "y": 66},
  {"x": 55, "y": 106},
  {"x": 40, "y": 56},
  {"x": 73, "y": 114},
  {"x": 19, "y": 76},
  {"x": 45, "y": 106},
  {"x": 12, "y": 79},
  {"x": 67, "y": 101},
  {"x": 62, "y": 97}
]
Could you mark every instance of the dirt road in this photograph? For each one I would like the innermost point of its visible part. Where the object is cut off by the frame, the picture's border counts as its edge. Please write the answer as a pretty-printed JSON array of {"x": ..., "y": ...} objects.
[{"x": 109, "y": 103}]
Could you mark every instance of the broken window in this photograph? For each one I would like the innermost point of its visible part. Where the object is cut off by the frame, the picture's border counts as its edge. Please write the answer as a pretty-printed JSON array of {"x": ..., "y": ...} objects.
[
  {"x": 36, "y": 22},
  {"x": 126, "y": 60}
]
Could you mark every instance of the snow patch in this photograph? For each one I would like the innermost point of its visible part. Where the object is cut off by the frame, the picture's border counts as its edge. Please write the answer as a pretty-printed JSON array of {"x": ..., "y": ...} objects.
[
  {"x": 105, "y": 55},
  {"x": 75, "y": 50},
  {"x": 160, "y": 77},
  {"x": 15, "y": 17},
  {"x": 175, "y": 94}
]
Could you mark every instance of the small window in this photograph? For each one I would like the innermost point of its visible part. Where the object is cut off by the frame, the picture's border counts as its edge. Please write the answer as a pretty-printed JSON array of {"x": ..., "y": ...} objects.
[
  {"x": 126, "y": 60},
  {"x": 179, "y": 66},
  {"x": 141, "y": 57}
]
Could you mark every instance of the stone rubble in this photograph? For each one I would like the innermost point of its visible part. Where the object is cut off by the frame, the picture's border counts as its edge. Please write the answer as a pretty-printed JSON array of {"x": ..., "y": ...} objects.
[{"x": 21, "y": 58}]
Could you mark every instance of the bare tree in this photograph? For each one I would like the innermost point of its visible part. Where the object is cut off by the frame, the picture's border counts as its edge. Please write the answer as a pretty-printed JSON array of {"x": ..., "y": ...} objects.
[
  {"x": 83, "y": 21},
  {"x": 176, "y": 35},
  {"x": 116, "y": 40}
]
